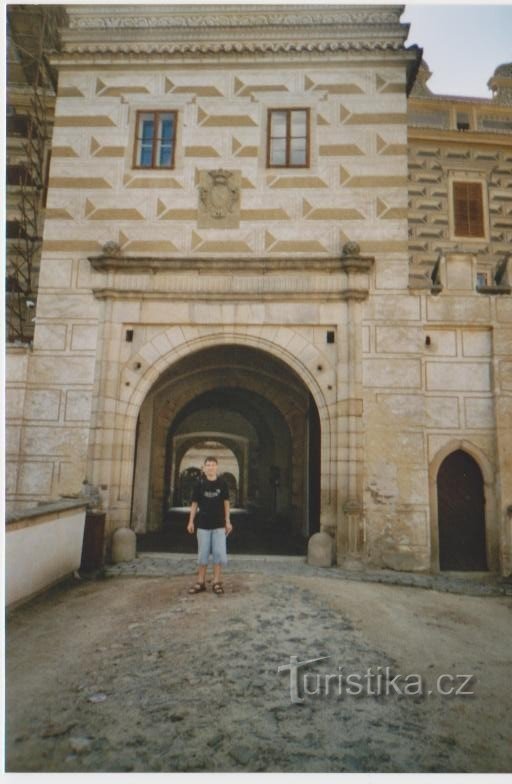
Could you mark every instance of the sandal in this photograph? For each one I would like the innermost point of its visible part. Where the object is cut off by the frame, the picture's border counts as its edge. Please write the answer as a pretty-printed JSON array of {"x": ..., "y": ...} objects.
[
  {"x": 197, "y": 588},
  {"x": 217, "y": 588}
]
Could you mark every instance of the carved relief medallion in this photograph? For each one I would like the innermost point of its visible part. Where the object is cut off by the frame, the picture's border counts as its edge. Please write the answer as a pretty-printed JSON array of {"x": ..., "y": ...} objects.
[{"x": 219, "y": 199}]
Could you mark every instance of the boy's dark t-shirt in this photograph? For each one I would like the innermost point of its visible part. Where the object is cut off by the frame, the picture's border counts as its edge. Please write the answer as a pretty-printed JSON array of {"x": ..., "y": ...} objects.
[{"x": 210, "y": 497}]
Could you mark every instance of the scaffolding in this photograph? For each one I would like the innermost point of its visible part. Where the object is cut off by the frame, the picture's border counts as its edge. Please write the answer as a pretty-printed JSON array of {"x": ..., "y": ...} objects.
[{"x": 32, "y": 35}]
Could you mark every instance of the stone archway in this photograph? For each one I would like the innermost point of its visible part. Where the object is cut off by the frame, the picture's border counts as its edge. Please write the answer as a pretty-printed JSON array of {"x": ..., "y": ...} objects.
[{"x": 255, "y": 405}]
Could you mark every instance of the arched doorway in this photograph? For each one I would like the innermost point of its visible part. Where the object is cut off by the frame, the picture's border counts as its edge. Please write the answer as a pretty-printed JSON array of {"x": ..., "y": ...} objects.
[
  {"x": 187, "y": 479},
  {"x": 461, "y": 514},
  {"x": 266, "y": 426},
  {"x": 187, "y": 465}
]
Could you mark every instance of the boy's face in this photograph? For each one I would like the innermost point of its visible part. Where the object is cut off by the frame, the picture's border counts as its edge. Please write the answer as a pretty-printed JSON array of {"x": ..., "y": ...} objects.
[{"x": 210, "y": 469}]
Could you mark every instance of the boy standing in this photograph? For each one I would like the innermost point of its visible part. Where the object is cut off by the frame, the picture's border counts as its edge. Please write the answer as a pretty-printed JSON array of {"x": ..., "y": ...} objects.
[{"x": 210, "y": 499}]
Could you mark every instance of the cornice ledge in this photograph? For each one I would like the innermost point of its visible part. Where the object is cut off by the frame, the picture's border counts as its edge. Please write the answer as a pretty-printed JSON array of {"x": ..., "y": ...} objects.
[
  {"x": 356, "y": 263},
  {"x": 227, "y": 48},
  {"x": 359, "y": 295},
  {"x": 264, "y": 265},
  {"x": 130, "y": 17},
  {"x": 276, "y": 295},
  {"x": 501, "y": 289}
]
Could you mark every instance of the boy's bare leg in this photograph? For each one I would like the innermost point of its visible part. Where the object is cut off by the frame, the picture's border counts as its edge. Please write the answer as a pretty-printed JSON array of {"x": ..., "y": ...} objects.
[
  {"x": 217, "y": 572},
  {"x": 201, "y": 574}
]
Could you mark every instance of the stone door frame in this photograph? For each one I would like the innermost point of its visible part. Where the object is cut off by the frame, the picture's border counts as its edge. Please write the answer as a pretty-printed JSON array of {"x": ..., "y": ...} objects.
[{"x": 488, "y": 476}]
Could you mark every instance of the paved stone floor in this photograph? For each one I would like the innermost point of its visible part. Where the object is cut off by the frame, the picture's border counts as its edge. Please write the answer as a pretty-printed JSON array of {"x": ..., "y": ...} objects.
[
  {"x": 471, "y": 584},
  {"x": 127, "y": 672}
]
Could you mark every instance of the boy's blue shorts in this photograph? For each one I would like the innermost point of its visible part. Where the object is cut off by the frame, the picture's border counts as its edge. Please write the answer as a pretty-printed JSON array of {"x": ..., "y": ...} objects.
[{"x": 211, "y": 541}]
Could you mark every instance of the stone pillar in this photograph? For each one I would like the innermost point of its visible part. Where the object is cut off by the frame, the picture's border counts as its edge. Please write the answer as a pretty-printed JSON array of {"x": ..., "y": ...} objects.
[
  {"x": 141, "y": 482},
  {"x": 502, "y": 383},
  {"x": 351, "y": 530},
  {"x": 106, "y": 436}
]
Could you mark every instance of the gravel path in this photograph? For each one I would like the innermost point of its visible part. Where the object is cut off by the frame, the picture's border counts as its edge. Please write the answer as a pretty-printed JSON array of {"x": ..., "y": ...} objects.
[{"x": 129, "y": 673}]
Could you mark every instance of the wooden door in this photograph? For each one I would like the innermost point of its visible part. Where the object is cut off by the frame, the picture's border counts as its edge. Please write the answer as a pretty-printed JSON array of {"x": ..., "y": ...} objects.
[{"x": 461, "y": 514}]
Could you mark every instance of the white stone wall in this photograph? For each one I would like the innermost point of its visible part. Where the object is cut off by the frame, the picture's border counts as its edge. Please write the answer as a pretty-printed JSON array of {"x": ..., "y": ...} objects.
[
  {"x": 55, "y": 410},
  {"x": 42, "y": 548}
]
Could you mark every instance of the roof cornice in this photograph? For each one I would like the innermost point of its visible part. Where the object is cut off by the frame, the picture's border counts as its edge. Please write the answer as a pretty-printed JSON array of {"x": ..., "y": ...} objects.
[
  {"x": 194, "y": 17},
  {"x": 231, "y": 30}
]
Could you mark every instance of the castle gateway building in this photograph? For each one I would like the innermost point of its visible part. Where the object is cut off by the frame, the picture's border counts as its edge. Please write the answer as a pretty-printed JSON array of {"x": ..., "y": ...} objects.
[{"x": 266, "y": 239}]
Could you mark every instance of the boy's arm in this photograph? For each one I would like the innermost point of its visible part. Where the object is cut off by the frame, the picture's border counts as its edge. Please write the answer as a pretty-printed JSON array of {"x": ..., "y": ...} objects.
[
  {"x": 193, "y": 510},
  {"x": 227, "y": 525}
]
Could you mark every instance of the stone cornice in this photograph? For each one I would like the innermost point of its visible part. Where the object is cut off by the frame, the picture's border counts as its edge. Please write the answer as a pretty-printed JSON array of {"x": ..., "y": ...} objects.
[
  {"x": 233, "y": 265},
  {"x": 230, "y": 30},
  {"x": 257, "y": 295},
  {"x": 483, "y": 105},
  {"x": 466, "y": 138},
  {"x": 357, "y": 263},
  {"x": 86, "y": 17},
  {"x": 149, "y": 48},
  {"x": 224, "y": 279}
]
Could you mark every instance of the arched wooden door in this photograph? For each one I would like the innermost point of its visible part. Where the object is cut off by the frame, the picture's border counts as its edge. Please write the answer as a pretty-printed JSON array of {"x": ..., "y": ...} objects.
[{"x": 461, "y": 514}]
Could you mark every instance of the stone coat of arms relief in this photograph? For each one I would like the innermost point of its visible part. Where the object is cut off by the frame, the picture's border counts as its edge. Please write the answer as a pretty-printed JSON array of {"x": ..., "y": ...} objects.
[{"x": 219, "y": 199}]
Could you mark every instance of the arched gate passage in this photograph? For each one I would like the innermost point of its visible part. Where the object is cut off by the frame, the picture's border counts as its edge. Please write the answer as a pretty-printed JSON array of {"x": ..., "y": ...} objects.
[{"x": 256, "y": 406}]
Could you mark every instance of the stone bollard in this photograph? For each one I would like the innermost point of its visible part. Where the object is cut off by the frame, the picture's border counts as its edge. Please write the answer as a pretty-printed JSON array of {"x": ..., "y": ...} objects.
[
  {"x": 124, "y": 545},
  {"x": 321, "y": 549}
]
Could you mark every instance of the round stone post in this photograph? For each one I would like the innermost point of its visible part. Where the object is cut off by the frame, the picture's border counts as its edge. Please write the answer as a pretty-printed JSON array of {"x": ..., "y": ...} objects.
[{"x": 124, "y": 545}]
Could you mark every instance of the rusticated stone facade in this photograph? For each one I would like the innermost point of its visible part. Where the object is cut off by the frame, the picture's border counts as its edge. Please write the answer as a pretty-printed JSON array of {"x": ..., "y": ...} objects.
[{"x": 280, "y": 311}]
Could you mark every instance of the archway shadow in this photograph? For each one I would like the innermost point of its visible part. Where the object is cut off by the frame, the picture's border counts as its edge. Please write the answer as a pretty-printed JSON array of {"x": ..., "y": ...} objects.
[{"x": 253, "y": 534}]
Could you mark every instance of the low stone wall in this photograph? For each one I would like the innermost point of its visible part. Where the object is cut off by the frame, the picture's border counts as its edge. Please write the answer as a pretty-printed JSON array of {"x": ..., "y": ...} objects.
[{"x": 42, "y": 546}]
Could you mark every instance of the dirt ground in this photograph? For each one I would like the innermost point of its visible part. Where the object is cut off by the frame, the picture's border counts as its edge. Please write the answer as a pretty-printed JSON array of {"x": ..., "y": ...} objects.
[{"x": 132, "y": 674}]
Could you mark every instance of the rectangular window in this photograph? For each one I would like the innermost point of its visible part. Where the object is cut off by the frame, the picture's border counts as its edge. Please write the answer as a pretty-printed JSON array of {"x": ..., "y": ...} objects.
[
  {"x": 463, "y": 123},
  {"x": 155, "y": 140},
  {"x": 288, "y": 137},
  {"x": 18, "y": 125},
  {"x": 18, "y": 174},
  {"x": 482, "y": 279},
  {"x": 14, "y": 230},
  {"x": 468, "y": 209}
]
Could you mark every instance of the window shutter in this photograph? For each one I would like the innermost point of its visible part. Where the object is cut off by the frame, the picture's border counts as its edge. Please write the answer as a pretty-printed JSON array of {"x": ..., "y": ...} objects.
[
  {"x": 459, "y": 209},
  {"x": 468, "y": 209},
  {"x": 475, "y": 209}
]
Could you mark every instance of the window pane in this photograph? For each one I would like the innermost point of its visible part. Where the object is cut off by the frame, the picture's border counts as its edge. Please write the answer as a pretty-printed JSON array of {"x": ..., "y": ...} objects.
[
  {"x": 165, "y": 156},
  {"x": 145, "y": 156},
  {"x": 278, "y": 152},
  {"x": 298, "y": 152},
  {"x": 166, "y": 125},
  {"x": 299, "y": 123},
  {"x": 147, "y": 126},
  {"x": 278, "y": 124}
]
